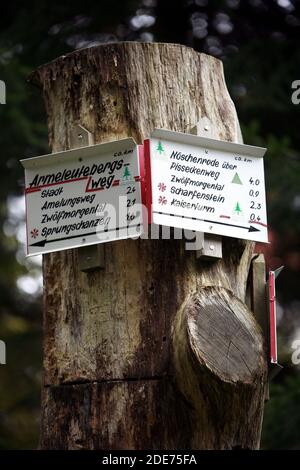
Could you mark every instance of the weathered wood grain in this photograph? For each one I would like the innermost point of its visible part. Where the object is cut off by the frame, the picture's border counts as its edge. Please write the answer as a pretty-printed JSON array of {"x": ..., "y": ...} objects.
[{"x": 102, "y": 416}]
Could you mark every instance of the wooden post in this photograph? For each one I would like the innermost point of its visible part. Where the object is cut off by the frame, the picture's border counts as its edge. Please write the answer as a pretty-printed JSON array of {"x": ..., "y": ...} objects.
[
  {"x": 157, "y": 351},
  {"x": 259, "y": 295}
]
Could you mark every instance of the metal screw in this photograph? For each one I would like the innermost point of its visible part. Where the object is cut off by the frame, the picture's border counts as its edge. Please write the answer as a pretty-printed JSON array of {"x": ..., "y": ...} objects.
[
  {"x": 211, "y": 247},
  {"x": 206, "y": 128}
]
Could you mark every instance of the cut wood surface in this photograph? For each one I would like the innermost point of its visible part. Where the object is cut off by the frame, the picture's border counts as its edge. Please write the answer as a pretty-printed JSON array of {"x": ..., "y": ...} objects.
[{"x": 158, "y": 350}]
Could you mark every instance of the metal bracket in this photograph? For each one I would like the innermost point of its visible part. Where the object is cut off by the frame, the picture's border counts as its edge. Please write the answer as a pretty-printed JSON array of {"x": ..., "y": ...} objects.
[
  {"x": 91, "y": 258},
  {"x": 204, "y": 128},
  {"x": 211, "y": 244},
  {"x": 80, "y": 137}
]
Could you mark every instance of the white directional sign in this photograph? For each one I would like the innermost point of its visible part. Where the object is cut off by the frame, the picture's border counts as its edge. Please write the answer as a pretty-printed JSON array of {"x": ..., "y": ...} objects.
[
  {"x": 208, "y": 185},
  {"x": 83, "y": 196}
]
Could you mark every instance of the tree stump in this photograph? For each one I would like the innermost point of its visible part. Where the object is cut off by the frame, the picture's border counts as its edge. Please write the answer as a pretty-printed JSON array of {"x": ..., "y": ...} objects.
[{"x": 158, "y": 350}]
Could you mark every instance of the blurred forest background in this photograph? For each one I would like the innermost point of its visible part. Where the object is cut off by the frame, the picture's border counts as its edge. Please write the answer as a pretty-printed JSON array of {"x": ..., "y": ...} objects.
[{"x": 258, "y": 42}]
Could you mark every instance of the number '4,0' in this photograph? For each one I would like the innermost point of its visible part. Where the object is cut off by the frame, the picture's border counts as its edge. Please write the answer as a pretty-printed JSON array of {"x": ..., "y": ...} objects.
[{"x": 255, "y": 182}]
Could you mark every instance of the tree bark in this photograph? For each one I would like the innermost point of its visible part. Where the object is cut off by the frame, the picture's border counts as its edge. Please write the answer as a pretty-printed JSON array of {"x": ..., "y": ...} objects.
[{"x": 158, "y": 350}]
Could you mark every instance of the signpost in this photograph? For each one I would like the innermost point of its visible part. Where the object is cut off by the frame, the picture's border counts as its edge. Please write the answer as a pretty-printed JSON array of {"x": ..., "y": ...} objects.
[
  {"x": 273, "y": 321},
  {"x": 273, "y": 327},
  {"x": 208, "y": 185},
  {"x": 82, "y": 197},
  {"x": 94, "y": 194}
]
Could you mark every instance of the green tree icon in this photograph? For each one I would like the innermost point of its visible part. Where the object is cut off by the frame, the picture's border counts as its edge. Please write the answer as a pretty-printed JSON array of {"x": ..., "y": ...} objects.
[
  {"x": 126, "y": 174},
  {"x": 160, "y": 148},
  {"x": 237, "y": 209}
]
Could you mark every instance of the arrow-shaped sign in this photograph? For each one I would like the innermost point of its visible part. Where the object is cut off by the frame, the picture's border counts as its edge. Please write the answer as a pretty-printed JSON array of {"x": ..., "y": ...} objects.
[
  {"x": 250, "y": 228},
  {"x": 42, "y": 243}
]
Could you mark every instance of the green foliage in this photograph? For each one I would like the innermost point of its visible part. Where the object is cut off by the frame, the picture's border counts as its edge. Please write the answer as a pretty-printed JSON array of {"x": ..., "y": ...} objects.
[
  {"x": 281, "y": 419},
  {"x": 20, "y": 383}
]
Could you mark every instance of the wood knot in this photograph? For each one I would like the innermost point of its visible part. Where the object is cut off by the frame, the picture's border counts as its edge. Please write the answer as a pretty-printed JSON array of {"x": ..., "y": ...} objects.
[{"x": 222, "y": 335}]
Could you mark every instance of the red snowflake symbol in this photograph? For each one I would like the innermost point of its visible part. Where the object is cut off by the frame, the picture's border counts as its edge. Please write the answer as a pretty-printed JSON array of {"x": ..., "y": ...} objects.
[
  {"x": 162, "y": 187},
  {"x": 162, "y": 200},
  {"x": 34, "y": 233}
]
